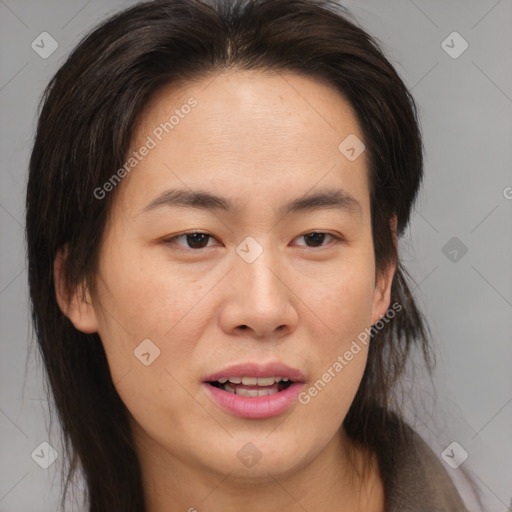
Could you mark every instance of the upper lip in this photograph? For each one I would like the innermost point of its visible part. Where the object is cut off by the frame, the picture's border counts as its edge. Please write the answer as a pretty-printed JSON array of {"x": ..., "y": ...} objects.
[{"x": 271, "y": 369}]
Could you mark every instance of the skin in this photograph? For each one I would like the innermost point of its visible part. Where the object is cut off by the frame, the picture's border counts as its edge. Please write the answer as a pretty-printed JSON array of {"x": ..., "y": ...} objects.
[{"x": 259, "y": 140}]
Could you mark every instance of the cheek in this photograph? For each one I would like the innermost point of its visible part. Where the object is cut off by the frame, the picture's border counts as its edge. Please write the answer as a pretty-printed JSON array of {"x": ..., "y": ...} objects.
[
  {"x": 155, "y": 318},
  {"x": 343, "y": 303},
  {"x": 150, "y": 293},
  {"x": 338, "y": 357},
  {"x": 341, "y": 297},
  {"x": 142, "y": 301}
]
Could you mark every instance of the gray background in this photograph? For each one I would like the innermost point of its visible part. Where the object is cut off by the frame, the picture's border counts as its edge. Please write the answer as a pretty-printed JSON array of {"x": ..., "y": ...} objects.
[{"x": 466, "y": 107}]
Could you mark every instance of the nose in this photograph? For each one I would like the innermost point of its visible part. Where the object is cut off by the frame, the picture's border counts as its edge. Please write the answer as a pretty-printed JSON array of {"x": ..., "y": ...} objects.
[{"x": 260, "y": 301}]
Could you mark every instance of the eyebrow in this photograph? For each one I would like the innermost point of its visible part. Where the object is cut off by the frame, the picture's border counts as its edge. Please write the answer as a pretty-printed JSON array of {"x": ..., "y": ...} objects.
[{"x": 323, "y": 199}]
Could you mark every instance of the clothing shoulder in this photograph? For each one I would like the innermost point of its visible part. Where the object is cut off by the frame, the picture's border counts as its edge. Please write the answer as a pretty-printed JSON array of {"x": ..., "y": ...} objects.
[{"x": 415, "y": 479}]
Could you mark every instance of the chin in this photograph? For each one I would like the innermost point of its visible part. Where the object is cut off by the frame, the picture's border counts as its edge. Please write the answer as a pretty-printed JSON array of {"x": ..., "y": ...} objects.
[{"x": 259, "y": 459}]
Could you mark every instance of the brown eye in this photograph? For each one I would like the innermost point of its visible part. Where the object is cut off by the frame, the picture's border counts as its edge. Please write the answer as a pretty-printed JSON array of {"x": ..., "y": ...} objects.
[
  {"x": 316, "y": 238},
  {"x": 195, "y": 240}
]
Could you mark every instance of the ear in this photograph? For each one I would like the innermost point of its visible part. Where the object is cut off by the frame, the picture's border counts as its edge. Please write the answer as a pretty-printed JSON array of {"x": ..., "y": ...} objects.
[
  {"x": 382, "y": 293},
  {"x": 77, "y": 306}
]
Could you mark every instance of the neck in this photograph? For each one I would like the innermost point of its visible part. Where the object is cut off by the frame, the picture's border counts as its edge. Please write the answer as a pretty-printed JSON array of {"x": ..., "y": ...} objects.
[{"x": 342, "y": 473}]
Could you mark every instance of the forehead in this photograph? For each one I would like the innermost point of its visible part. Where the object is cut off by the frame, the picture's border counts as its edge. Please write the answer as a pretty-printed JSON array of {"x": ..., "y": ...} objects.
[
  {"x": 246, "y": 130},
  {"x": 236, "y": 107}
]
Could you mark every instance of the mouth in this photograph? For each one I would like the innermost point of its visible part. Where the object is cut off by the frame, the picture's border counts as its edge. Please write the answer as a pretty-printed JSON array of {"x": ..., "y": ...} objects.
[
  {"x": 255, "y": 391},
  {"x": 252, "y": 387}
]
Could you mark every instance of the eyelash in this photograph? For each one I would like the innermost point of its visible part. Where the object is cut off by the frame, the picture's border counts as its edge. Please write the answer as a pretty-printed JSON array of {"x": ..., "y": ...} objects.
[{"x": 171, "y": 240}]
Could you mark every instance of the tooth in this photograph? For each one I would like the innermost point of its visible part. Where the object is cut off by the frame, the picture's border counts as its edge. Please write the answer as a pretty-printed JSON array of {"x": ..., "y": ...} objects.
[
  {"x": 254, "y": 381},
  {"x": 263, "y": 392},
  {"x": 229, "y": 389},
  {"x": 265, "y": 381},
  {"x": 247, "y": 392}
]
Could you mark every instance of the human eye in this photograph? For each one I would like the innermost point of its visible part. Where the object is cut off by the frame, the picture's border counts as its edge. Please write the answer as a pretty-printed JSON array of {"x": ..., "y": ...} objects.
[
  {"x": 192, "y": 240},
  {"x": 316, "y": 238}
]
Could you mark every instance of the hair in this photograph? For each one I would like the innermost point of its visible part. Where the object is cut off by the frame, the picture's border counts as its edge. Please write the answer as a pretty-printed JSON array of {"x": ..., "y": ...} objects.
[{"x": 88, "y": 116}]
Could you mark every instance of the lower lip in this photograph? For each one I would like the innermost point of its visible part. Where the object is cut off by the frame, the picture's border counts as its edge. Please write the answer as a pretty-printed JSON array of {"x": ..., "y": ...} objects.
[{"x": 258, "y": 407}]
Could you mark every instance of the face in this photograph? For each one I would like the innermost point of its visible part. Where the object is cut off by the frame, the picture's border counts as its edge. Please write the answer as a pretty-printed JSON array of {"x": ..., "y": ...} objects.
[{"x": 259, "y": 277}]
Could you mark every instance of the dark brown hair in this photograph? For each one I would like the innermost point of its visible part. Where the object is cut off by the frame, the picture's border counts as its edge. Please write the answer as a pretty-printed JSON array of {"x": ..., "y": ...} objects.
[{"x": 89, "y": 112}]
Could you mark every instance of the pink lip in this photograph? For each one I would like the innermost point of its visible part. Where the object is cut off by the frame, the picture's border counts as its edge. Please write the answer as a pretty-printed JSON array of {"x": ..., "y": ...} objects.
[
  {"x": 260, "y": 407},
  {"x": 275, "y": 369}
]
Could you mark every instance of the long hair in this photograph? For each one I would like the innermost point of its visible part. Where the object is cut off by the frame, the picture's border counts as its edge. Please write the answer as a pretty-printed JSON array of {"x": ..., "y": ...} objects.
[{"x": 88, "y": 115}]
